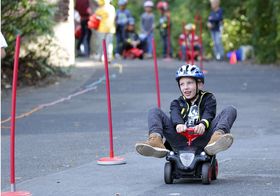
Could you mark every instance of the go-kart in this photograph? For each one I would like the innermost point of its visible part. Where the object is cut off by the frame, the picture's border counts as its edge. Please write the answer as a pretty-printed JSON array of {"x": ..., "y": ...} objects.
[{"x": 192, "y": 163}]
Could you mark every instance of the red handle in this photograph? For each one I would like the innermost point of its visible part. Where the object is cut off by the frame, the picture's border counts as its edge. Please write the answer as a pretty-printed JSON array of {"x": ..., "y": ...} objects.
[{"x": 190, "y": 135}]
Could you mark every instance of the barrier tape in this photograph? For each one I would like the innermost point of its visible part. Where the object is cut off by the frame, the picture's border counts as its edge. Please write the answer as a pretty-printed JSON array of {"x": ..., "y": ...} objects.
[{"x": 88, "y": 88}]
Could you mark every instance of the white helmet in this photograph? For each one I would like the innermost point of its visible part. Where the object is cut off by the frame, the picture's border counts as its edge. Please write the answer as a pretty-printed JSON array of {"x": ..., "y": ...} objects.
[{"x": 148, "y": 4}]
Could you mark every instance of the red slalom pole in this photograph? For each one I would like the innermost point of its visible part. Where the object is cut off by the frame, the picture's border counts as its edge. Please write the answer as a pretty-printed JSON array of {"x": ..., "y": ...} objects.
[
  {"x": 111, "y": 160},
  {"x": 156, "y": 72},
  {"x": 198, "y": 20},
  {"x": 13, "y": 126},
  {"x": 168, "y": 35},
  {"x": 192, "y": 47},
  {"x": 186, "y": 41},
  {"x": 108, "y": 100},
  {"x": 13, "y": 115}
]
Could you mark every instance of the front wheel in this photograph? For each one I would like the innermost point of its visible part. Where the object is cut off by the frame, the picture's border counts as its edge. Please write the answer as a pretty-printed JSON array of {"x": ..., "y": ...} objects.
[
  {"x": 168, "y": 178},
  {"x": 206, "y": 173}
]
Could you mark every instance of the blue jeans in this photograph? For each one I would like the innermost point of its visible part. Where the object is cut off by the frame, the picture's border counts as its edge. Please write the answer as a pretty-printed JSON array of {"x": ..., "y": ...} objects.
[
  {"x": 120, "y": 39},
  {"x": 85, "y": 38},
  {"x": 158, "y": 122},
  {"x": 149, "y": 45},
  {"x": 165, "y": 47},
  {"x": 218, "y": 45}
]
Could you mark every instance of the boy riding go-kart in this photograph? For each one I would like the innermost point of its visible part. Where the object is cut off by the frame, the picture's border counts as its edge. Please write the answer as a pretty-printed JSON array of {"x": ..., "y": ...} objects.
[{"x": 197, "y": 109}]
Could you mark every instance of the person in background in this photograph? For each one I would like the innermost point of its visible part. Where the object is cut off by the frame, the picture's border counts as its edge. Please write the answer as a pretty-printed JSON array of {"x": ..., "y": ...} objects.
[
  {"x": 132, "y": 44},
  {"x": 84, "y": 9},
  {"x": 122, "y": 17},
  {"x": 185, "y": 40},
  {"x": 3, "y": 45},
  {"x": 106, "y": 28},
  {"x": 164, "y": 28},
  {"x": 147, "y": 27},
  {"x": 215, "y": 24}
]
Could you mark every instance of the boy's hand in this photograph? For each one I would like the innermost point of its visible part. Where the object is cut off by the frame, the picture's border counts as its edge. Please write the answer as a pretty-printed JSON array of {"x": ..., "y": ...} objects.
[
  {"x": 209, "y": 25},
  {"x": 181, "y": 128},
  {"x": 199, "y": 129}
]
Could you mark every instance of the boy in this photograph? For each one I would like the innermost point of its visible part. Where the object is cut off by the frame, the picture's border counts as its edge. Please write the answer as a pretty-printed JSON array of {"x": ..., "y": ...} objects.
[
  {"x": 106, "y": 28},
  {"x": 132, "y": 44},
  {"x": 215, "y": 24},
  {"x": 122, "y": 17},
  {"x": 147, "y": 26},
  {"x": 164, "y": 28},
  {"x": 215, "y": 129},
  {"x": 185, "y": 44}
]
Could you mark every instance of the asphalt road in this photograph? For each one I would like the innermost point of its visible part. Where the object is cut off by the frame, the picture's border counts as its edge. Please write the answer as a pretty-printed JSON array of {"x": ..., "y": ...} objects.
[{"x": 57, "y": 147}]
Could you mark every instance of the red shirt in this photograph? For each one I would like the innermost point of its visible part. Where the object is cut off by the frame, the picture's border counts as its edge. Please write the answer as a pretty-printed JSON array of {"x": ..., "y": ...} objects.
[{"x": 83, "y": 7}]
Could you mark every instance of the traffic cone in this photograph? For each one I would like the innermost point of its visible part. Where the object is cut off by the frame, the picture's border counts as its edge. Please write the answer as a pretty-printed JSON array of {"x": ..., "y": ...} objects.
[{"x": 233, "y": 59}]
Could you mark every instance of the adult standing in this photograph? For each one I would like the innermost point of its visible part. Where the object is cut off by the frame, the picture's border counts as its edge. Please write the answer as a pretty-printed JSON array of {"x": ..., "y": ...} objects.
[
  {"x": 215, "y": 24},
  {"x": 84, "y": 9}
]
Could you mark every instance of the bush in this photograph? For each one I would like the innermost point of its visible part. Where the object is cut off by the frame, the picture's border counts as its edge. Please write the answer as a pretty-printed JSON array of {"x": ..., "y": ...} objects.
[{"x": 34, "y": 21}]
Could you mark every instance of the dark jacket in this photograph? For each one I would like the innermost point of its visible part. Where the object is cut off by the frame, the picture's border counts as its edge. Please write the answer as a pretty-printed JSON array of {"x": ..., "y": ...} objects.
[
  {"x": 206, "y": 103},
  {"x": 216, "y": 19},
  {"x": 130, "y": 36}
]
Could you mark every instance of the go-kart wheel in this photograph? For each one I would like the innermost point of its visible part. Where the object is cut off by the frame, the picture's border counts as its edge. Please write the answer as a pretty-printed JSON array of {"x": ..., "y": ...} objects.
[
  {"x": 206, "y": 173},
  {"x": 215, "y": 170},
  {"x": 168, "y": 178}
]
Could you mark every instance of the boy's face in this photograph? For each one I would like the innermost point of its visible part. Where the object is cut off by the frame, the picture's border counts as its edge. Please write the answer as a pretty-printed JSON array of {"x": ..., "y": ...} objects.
[
  {"x": 130, "y": 27},
  {"x": 122, "y": 7},
  {"x": 214, "y": 4},
  {"x": 148, "y": 9},
  {"x": 188, "y": 87}
]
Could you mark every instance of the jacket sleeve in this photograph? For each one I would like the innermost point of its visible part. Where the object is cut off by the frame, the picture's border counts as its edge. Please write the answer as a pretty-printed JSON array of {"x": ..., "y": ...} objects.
[
  {"x": 209, "y": 112},
  {"x": 175, "y": 113}
]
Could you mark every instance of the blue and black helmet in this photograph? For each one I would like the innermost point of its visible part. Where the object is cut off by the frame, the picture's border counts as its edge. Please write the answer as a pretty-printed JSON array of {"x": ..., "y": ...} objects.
[{"x": 189, "y": 70}]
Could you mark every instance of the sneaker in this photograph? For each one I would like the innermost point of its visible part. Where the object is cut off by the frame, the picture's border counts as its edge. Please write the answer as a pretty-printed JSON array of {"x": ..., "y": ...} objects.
[
  {"x": 218, "y": 142},
  {"x": 118, "y": 56},
  {"x": 148, "y": 56},
  {"x": 154, "y": 147}
]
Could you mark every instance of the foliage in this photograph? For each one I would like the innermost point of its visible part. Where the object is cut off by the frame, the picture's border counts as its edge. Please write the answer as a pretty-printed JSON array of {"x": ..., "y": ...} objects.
[
  {"x": 33, "y": 20},
  {"x": 247, "y": 22},
  {"x": 265, "y": 18}
]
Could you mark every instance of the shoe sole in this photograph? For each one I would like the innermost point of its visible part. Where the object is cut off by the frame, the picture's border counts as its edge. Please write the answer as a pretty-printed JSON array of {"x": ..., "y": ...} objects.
[
  {"x": 149, "y": 151},
  {"x": 222, "y": 144}
]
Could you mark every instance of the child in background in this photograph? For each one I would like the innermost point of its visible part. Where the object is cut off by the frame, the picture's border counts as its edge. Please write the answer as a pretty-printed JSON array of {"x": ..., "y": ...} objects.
[
  {"x": 132, "y": 43},
  {"x": 164, "y": 28},
  {"x": 147, "y": 27},
  {"x": 215, "y": 25},
  {"x": 106, "y": 28},
  {"x": 122, "y": 17},
  {"x": 185, "y": 40}
]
